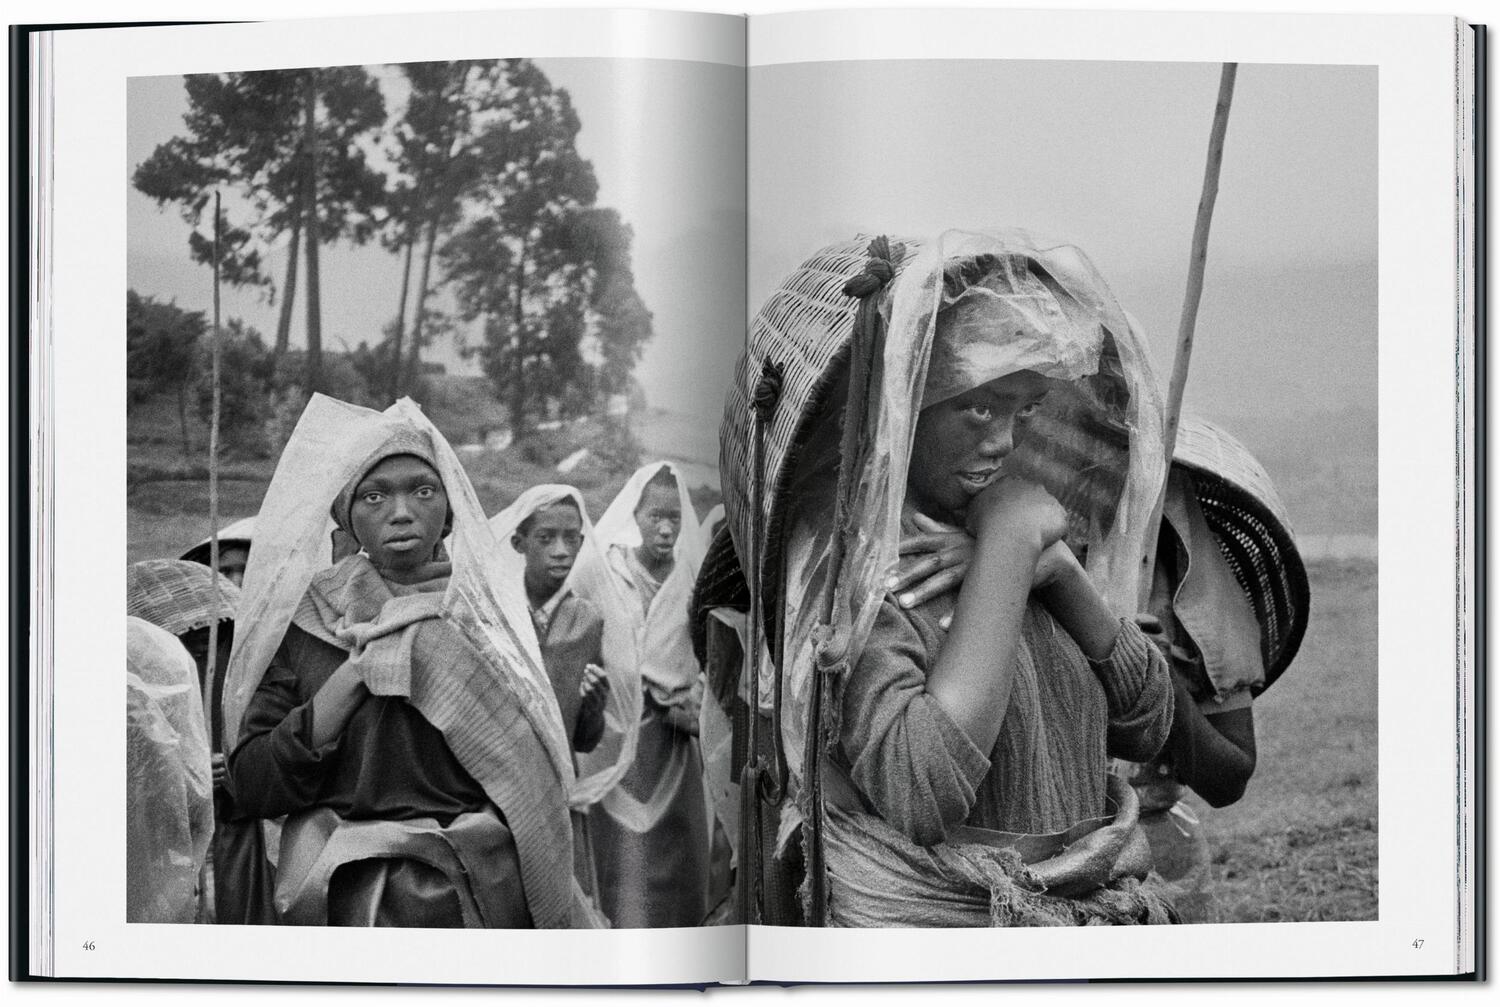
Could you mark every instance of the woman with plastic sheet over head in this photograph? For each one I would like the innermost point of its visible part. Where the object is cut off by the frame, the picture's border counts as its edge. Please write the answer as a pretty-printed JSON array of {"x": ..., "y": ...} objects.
[
  {"x": 652, "y": 830},
  {"x": 948, "y": 760},
  {"x": 394, "y": 705}
]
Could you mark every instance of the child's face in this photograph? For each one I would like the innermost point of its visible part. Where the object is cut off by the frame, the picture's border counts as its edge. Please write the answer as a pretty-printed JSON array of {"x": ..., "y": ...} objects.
[
  {"x": 551, "y": 544},
  {"x": 232, "y": 560},
  {"x": 659, "y": 517},
  {"x": 960, "y": 443},
  {"x": 398, "y": 513}
]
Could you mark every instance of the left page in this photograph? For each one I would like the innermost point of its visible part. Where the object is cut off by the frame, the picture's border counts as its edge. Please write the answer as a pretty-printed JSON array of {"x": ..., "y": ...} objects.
[{"x": 451, "y": 300}]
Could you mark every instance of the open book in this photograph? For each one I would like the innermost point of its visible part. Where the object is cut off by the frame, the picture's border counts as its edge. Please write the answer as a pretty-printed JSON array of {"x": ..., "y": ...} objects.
[{"x": 944, "y": 495}]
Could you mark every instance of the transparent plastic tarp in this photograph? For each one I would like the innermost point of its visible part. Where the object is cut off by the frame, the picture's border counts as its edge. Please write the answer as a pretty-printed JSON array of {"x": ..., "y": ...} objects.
[
  {"x": 169, "y": 784},
  {"x": 1096, "y": 445}
]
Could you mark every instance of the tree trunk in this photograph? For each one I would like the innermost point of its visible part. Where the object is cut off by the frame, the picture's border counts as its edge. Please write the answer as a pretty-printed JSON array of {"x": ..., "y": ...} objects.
[
  {"x": 187, "y": 445},
  {"x": 395, "y": 365},
  {"x": 310, "y": 225},
  {"x": 288, "y": 292},
  {"x": 518, "y": 351},
  {"x": 414, "y": 360}
]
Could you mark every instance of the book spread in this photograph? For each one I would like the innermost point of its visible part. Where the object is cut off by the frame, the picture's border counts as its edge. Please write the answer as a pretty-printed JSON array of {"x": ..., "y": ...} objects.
[{"x": 983, "y": 496}]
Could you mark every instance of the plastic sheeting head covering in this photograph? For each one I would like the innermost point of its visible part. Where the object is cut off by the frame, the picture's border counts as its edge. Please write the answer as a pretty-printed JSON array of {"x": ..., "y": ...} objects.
[
  {"x": 168, "y": 778},
  {"x": 665, "y": 656},
  {"x": 237, "y": 534},
  {"x": 1095, "y": 444},
  {"x": 618, "y": 527},
  {"x": 332, "y": 444},
  {"x": 590, "y": 579},
  {"x": 663, "y": 644}
]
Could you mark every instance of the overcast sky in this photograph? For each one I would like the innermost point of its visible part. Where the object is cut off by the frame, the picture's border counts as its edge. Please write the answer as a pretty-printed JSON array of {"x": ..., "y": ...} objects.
[
  {"x": 1108, "y": 156},
  {"x": 667, "y": 144}
]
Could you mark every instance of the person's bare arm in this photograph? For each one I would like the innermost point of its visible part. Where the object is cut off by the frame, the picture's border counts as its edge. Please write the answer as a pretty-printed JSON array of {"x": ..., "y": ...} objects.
[
  {"x": 1075, "y": 603},
  {"x": 1013, "y": 522}
]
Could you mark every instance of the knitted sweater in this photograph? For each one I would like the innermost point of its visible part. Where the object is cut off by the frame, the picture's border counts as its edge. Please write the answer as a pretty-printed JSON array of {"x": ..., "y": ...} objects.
[{"x": 916, "y": 769}]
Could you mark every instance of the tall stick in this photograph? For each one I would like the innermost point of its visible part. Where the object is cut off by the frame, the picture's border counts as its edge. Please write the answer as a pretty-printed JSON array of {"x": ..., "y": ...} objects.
[
  {"x": 1189, "y": 321},
  {"x": 211, "y": 673}
]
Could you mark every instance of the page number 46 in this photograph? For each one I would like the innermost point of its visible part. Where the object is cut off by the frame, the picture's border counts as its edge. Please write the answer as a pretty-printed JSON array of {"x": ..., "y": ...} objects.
[
  {"x": 88, "y": 945},
  {"x": 1418, "y": 943}
]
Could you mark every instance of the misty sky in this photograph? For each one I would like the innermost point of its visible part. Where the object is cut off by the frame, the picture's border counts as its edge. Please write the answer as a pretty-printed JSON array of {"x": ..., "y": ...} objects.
[
  {"x": 1109, "y": 156},
  {"x": 667, "y": 144}
]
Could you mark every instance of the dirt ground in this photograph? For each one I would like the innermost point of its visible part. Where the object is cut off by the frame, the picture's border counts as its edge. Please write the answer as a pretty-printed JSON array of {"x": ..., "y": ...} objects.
[{"x": 1302, "y": 843}]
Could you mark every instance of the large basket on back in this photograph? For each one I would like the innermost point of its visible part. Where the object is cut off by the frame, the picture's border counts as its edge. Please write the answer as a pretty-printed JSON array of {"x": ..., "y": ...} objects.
[
  {"x": 1254, "y": 534},
  {"x": 804, "y": 330}
]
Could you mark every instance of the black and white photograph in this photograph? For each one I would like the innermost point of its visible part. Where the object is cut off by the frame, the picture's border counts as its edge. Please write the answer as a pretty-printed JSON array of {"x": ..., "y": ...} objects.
[
  {"x": 458, "y": 339},
  {"x": 816, "y": 497},
  {"x": 952, "y": 488}
]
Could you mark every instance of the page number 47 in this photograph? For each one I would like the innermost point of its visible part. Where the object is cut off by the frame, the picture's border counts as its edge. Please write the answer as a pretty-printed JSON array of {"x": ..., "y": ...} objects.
[{"x": 1418, "y": 943}]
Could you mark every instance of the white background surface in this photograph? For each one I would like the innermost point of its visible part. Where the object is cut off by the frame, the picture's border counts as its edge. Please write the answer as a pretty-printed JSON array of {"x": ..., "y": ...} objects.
[{"x": 1232, "y": 943}]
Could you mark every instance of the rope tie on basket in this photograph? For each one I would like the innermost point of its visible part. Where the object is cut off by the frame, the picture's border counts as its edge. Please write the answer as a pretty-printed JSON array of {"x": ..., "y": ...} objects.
[
  {"x": 832, "y": 647},
  {"x": 759, "y": 786}
]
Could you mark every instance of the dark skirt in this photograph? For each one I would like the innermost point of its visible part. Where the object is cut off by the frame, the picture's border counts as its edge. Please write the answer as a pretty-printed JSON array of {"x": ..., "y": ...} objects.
[{"x": 657, "y": 876}]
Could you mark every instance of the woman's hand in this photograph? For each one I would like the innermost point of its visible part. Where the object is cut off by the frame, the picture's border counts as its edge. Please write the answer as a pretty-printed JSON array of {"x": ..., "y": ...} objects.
[
  {"x": 937, "y": 560},
  {"x": 933, "y": 562},
  {"x": 335, "y": 702},
  {"x": 1019, "y": 509}
]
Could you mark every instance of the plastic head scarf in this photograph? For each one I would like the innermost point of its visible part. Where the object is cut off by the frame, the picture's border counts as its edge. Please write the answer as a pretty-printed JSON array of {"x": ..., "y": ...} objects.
[
  {"x": 1096, "y": 443},
  {"x": 333, "y": 444},
  {"x": 169, "y": 783},
  {"x": 590, "y": 580},
  {"x": 664, "y": 669},
  {"x": 618, "y": 527}
]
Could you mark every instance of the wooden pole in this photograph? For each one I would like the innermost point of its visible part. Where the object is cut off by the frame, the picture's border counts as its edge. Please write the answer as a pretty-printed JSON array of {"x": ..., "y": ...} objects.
[
  {"x": 1189, "y": 320},
  {"x": 211, "y": 673}
]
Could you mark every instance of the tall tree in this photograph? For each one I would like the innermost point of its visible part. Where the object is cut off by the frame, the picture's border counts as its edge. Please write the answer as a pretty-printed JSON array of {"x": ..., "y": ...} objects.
[
  {"x": 435, "y": 154},
  {"x": 249, "y": 132},
  {"x": 621, "y": 323},
  {"x": 517, "y": 261}
]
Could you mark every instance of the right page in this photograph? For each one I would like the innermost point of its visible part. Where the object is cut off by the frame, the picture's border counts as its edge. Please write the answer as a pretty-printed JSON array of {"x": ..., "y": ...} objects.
[{"x": 1093, "y": 450}]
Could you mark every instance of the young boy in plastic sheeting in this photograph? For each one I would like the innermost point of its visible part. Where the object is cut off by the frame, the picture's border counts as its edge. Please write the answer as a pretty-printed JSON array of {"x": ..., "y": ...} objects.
[
  {"x": 549, "y": 530},
  {"x": 966, "y": 782},
  {"x": 178, "y": 596},
  {"x": 394, "y": 705},
  {"x": 169, "y": 813},
  {"x": 651, "y": 832}
]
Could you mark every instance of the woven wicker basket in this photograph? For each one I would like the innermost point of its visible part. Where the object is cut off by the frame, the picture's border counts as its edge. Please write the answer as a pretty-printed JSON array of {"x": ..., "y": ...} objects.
[
  {"x": 177, "y": 595},
  {"x": 1254, "y": 534},
  {"x": 805, "y": 327}
]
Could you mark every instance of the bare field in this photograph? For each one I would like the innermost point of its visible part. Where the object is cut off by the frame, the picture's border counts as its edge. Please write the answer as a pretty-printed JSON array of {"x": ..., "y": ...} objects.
[{"x": 1302, "y": 843}]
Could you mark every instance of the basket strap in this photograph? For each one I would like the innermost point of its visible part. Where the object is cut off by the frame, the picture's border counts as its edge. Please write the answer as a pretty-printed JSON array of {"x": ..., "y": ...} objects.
[
  {"x": 758, "y": 786},
  {"x": 832, "y": 662}
]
